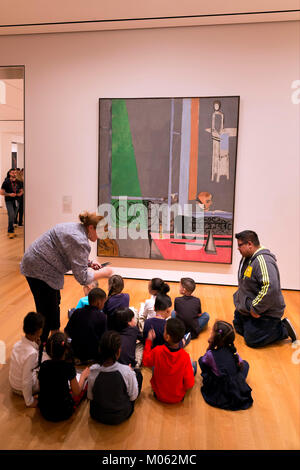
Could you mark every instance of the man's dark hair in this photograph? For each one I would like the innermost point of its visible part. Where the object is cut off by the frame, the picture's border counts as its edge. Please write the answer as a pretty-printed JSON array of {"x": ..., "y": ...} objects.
[
  {"x": 8, "y": 173},
  {"x": 248, "y": 236},
  {"x": 188, "y": 283},
  {"x": 175, "y": 329},
  {"x": 121, "y": 318},
  {"x": 95, "y": 295},
  {"x": 162, "y": 302},
  {"x": 32, "y": 323}
]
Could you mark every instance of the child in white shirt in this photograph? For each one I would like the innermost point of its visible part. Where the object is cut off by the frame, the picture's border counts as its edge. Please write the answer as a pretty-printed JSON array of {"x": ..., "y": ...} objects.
[
  {"x": 24, "y": 360},
  {"x": 155, "y": 286}
]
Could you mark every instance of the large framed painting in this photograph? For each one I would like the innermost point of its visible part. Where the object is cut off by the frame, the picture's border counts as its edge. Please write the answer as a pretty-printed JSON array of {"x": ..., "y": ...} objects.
[{"x": 167, "y": 171}]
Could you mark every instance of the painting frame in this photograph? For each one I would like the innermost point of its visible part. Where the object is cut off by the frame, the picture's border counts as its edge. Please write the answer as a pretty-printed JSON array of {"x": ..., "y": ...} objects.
[{"x": 213, "y": 243}]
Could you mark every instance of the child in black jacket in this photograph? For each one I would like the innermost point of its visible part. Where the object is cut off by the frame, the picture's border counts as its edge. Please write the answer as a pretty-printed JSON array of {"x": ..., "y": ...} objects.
[
  {"x": 112, "y": 387},
  {"x": 87, "y": 325},
  {"x": 125, "y": 324},
  {"x": 224, "y": 372}
]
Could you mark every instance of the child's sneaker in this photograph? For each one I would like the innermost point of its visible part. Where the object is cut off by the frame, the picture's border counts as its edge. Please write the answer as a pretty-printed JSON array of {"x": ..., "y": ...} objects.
[
  {"x": 70, "y": 312},
  {"x": 187, "y": 339}
]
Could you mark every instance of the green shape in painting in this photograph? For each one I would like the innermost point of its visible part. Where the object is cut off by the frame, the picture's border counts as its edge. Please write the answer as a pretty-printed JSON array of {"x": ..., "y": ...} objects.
[{"x": 124, "y": 174}]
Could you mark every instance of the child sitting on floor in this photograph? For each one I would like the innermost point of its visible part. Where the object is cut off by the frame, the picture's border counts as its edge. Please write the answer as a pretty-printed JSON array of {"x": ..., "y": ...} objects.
[
  {"x": 86, "y": 326},
  {"x": 188, "y": 308},
  {"x": 24, "y": 360},
  {"x": 115, "y": 299},
  {"x": 86, "y": 289},
  {"x": 163, "y": 308},
  {"x": 224, "y": 372},
  {"x": 84, "y": 300},
  {"x": 112, "y": 387},
  {"x": 60, "y": 391},
  {"x": 125, "y": 324},
  {"x": 155, "y": 286},
  {"x": 173, "y": 372}
]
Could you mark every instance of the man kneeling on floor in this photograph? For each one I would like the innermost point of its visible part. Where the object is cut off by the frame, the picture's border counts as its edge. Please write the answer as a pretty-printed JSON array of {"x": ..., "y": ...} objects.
[{"x": 259, "y": 302}]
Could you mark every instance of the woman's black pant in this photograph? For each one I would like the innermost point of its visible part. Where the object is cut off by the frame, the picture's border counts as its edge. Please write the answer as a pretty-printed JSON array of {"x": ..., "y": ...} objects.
[{"x": 47, "y": 301}]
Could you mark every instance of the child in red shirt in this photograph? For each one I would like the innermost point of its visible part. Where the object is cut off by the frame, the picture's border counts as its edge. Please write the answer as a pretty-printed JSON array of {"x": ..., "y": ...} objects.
[{"x": 173, "y": 372}]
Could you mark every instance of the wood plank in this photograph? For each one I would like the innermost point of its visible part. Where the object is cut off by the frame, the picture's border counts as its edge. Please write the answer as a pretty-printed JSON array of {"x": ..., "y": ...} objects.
[{"x": 272, "y": 423}]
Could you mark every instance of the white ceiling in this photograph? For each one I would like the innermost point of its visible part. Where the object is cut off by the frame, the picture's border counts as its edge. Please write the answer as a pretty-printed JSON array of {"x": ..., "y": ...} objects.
[{"x": 44, "y": 16}]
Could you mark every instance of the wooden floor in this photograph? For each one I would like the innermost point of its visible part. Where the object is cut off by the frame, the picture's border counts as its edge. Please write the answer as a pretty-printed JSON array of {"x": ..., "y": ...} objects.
[{"x": 272, "y": 423}]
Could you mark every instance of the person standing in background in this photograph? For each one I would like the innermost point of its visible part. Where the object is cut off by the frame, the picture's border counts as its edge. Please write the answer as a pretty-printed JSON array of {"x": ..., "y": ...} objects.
[
  {"x": 11, "y": 189},
  {"x": 20, "y": 199}
]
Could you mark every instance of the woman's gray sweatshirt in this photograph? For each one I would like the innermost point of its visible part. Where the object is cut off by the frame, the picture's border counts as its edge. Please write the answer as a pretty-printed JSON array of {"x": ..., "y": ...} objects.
[{"x": 63, "y": 248}]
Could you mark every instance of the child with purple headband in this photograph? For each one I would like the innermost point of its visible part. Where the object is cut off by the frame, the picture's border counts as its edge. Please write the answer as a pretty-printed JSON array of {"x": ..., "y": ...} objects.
[{"x": 224, "y": 372}]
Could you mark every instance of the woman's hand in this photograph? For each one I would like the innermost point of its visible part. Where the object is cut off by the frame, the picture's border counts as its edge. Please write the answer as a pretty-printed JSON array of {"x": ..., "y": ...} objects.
[{"x": 94, "y": 266}]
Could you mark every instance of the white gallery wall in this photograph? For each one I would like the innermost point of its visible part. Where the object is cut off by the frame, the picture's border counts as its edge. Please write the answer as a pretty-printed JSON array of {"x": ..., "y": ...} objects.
[{"x": 66, "y": 74}]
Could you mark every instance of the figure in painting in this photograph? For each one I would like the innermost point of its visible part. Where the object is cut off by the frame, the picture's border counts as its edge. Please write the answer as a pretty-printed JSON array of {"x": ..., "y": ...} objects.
[
  {"x": 220, "y": 137},
  {"x": 220, "y": 157},
  {"x": 205, "y": 200}
]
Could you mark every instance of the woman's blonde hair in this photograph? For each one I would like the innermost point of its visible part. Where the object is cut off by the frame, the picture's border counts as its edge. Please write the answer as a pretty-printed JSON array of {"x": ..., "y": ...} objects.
[{"x": 90, "y": 218}]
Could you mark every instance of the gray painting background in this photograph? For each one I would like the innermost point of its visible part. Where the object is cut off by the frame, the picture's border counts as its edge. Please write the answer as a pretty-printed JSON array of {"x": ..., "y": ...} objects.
[
  {"x": 149, "y": 120},
  {"x": 223, "y": 192}
]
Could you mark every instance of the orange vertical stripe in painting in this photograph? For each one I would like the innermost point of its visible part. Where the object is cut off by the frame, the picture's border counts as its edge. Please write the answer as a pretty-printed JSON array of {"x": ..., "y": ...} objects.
[{"x": 193, "y": 175}]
